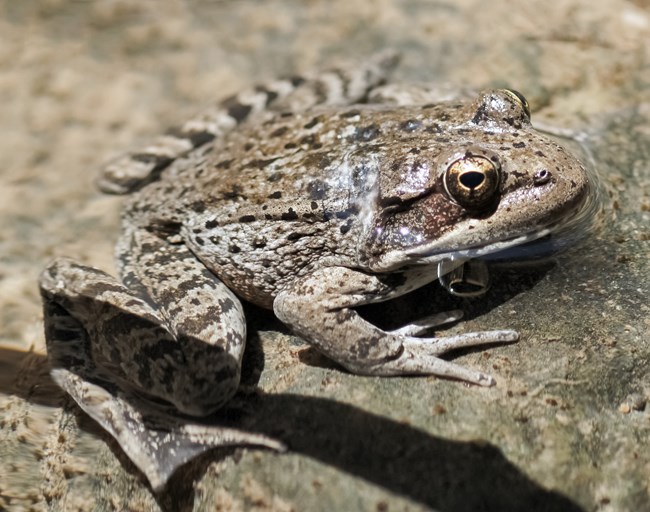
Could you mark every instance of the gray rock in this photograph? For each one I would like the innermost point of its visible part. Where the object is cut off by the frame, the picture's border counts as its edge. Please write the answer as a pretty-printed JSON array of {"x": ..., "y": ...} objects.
[{"x": 563, "y": 429}]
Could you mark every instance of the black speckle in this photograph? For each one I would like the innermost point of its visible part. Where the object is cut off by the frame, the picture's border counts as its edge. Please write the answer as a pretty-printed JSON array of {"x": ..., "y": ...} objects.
[
  {"x": 196, "y": 138},
  {"x": 248, "y": 146},
  {"x": 270, "y": 95},
  {"x": 296, "y": 80},
  {"x": 279, "y": 132},
  {"x": 211, "y": 224},
  {"x": 199, "y": 240},
  {"x": 346, "y": 227},
  {"x": 350, "y": 113},
  {"x": 539, "y": 153},
  {"x": 197, "y": 206},
  {"x": 410, "y": 125},
  {"x": 289, "y": 215},
  {"x": 415, "y": 151},
  {"x": 214, "y": 240},
  {"x": 224, "y": 164},
  {"x": 519, "y": 145},
  {"x": 344, "y": 214},
  {"x": 434, "y": 128},
  {"x": 311, "y": 141},
  {"x": 366, "y": 133},
  {"x": 290, "y": 145},
  {"x": 295, "y": 236},
  {"x": 312, "y": 123},
  {"x": 263, "y": 162},
  {"x": 158, "y": 161},
  {"x": 275, "y": 177},
  {"x": 276, "y": 195},
  {"x": 481, "y": 115},
  {"x": 236, "y": 110},
  {"x": 234, "y": 248},
  {"x": 247, "y": 218},
  {"x": 314, "y": 205},
  {"x": 233, "y": 193}
]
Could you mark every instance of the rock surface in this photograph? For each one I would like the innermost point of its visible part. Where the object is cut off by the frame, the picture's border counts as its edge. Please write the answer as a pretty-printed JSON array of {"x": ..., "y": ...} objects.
[{"x": 566, "y": 428}]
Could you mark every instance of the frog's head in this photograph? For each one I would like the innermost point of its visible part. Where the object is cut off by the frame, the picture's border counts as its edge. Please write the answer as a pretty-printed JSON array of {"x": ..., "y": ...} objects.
[{"x": 486, "y": 181}]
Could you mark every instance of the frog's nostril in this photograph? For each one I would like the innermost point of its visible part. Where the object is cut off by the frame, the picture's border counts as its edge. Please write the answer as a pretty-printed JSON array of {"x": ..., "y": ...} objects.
[
  {"x": 472, "y": 179},
  {"x": 541, "y": 177}
]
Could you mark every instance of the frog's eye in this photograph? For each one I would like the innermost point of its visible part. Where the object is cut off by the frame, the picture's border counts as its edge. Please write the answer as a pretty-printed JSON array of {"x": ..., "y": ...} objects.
[
  {"x": 472, "y": 181},
  {"x": 520, "y": 99}
]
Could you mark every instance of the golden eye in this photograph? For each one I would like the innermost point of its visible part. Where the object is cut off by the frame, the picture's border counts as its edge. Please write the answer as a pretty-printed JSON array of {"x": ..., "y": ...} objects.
[
  {"x": 520, "y": 99},
  {"x": 472, "y": 181}
]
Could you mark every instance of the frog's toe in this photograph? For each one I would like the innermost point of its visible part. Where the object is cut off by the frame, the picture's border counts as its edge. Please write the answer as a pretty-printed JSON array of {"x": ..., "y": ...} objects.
[
  {"x": 438, "y": 346},
  {"x": 429, "y": 322}
]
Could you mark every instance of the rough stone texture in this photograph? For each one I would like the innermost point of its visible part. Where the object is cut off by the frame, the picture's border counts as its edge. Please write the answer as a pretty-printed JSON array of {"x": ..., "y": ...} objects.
[{"x": 566, "y": 427}]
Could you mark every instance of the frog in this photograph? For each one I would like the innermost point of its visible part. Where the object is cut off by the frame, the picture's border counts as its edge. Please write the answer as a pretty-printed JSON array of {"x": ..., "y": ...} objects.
[{"x": 311, "y": 196}]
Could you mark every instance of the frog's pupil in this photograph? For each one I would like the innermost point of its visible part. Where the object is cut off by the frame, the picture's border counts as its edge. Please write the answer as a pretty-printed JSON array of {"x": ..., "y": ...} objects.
[{"x": 472, "y": 179}]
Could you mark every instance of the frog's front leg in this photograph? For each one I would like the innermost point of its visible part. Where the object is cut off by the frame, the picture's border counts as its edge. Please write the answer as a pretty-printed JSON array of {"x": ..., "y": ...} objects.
[
  {"x": 319, "y": 307},
  {"x": 139, "y": 358}
]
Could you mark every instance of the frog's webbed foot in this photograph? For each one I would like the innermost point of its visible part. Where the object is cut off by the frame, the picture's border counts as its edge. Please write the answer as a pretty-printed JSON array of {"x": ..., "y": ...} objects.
[
  {"x": 320, "y": 308},
  {"x": 133, "y": 371},
  {"x": 157, "y": 443}
]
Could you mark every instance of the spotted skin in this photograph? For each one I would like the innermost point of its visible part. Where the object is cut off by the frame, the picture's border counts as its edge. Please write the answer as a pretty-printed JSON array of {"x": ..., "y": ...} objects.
[{"x": 309, "y": 196}]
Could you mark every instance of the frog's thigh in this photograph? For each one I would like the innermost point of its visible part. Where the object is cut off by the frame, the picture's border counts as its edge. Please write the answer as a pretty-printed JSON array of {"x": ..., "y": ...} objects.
[
  {"x": 204, "y": 317},
  {"x": 173, "y": 344},
  {"x": 319, "y": 307}
]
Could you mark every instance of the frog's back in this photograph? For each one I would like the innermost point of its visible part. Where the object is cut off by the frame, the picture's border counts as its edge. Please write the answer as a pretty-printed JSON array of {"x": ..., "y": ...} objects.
[{"x": 310, "y": 155}]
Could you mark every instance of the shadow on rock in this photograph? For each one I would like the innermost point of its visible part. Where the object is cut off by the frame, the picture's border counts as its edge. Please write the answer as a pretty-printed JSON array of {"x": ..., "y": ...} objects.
[{"x": 443, "y": 474}]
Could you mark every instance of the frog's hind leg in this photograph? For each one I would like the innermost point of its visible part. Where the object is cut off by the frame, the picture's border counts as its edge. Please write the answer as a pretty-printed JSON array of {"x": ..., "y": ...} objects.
[
  {"x": 125, "y": 365},
  {"x": 340, "y": 86}
]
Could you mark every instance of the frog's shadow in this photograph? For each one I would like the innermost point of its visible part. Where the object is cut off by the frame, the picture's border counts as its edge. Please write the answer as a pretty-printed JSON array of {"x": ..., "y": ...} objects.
[{"x": 439, "y": 473}]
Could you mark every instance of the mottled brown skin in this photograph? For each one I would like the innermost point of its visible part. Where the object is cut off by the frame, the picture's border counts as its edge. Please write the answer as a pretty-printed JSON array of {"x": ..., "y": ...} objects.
[
  {"x": 309, "y": 198},
  {"x": 335, "y": 187}
]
